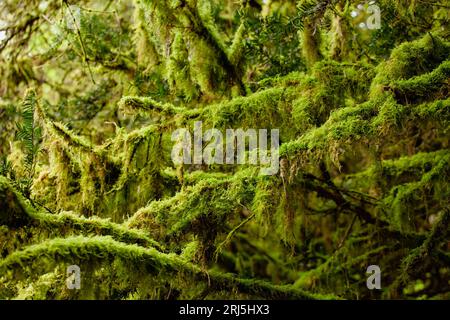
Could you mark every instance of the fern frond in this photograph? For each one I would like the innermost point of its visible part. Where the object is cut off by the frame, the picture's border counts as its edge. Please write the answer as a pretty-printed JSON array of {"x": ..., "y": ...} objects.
[{"x": 29, "y": 134}]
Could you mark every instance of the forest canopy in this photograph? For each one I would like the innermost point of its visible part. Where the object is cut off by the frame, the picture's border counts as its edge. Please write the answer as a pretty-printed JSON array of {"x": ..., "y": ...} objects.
[{"x": 357, "y": 92}]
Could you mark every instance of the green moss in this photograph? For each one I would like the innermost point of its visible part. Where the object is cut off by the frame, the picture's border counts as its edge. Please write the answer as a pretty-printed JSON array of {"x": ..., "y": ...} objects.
[
  {"x": 363, "y": 169},
  {"x": 311, "y": 42},
  {"x": 212, "y": 199},
  {"x": 412, "y": 264},
  {"x": 392, "y": 172},
  {"x": 426, "y": 86},
  {"x": 23, "y": 213},
  {"x": 105, "y": 248},
  {"x": 378, "y": 117},
  {"x": 403, "y": 199},
  {"x": 12, "y": 212},
  {"x": 148, "y": 104},
  {"x": 411, "y": 59}
]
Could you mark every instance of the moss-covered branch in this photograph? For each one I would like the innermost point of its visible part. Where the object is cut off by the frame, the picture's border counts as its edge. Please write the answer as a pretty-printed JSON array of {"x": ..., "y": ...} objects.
[
  {"x": 416, "y": 260},
  {"x": 16, "y": 211},
  {"x": 426, "y": 85},
  {"x": 148, "y": 104},
  {"x": 105, "y": 248}
]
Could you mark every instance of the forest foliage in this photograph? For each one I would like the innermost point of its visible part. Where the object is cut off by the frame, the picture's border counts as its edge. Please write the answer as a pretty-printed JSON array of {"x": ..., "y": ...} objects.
[{"x": 91, "y": 91}]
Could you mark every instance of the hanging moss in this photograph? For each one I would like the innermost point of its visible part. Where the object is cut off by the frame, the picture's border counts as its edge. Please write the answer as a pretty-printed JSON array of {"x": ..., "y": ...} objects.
[
  {"x": 414, "y": 263},
  {"x": 364, "y": 150},
  {"x": 194, "y": 44},
  {"x": 103, "y": 248},
  {"x": 403, "y": 198},
  {"x": 25, "y": 214},
  {"x": 311, "y": 41}
]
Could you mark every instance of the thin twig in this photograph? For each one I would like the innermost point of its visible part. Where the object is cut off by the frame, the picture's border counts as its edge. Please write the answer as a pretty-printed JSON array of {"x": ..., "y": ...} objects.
[{"x": 80, "y": 38}]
